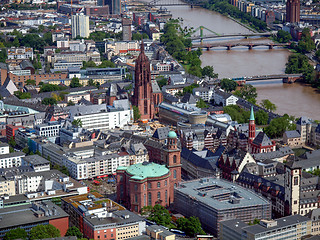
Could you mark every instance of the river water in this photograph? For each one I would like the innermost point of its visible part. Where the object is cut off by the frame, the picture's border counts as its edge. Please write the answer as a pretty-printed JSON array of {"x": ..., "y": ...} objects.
[{"x": 294, "y": 99}]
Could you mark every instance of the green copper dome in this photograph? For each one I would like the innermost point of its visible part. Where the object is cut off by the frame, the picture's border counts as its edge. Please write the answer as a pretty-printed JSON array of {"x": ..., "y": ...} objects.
[
  {"x": 172, "y": 134},
  {"x": 144, "y": 170}
]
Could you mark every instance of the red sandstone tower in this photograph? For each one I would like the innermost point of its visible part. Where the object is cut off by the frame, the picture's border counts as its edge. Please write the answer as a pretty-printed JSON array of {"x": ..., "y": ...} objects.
[
  {"x": 143, "y": 97},
  {"x": 293, "y": 11},
  {"x": 252, "y": 127},
  {"x": 171, "y": 155}
]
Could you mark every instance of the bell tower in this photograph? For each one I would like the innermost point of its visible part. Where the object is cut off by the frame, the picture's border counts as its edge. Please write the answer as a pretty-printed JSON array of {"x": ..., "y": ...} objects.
[
  {"x": 292, "y": 182},
  {"x": 252, "y": 127},
  {"x": 171, "y": 157}
]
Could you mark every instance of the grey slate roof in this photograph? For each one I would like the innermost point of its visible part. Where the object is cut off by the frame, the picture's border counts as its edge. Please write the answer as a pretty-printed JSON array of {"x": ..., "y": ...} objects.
[
  {"x": 304, "y": 121},
  {"x": 293, "y": 134},
  {"x": 161, "y": 133},
  {"x": 262, "y": 139}
]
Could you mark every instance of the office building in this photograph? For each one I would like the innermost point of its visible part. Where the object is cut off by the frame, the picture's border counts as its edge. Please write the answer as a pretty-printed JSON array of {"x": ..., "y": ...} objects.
[
  {"x": 290, "y": 228},
  {"x": 213, "y": 200},
  {"x": 101, "y": 218},
  {"x": 126, "y": 29},
  {"x": 293, "y": 11},
  {"x": 80, "y": 25},
  {"x": 30, "y": 215}
]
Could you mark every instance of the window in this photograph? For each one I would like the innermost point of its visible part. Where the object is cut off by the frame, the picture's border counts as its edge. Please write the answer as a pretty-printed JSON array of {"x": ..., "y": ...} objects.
[
  {"x": 149, "y": 199},
  {"x": 136, "y": 198},
  {"x": 295, "y": 180},
  {"x": 144, "y": 200},
  {"x": 174, "y": 159},
  {"x": 159, "y": 195},
  {"x": 174, "y": 174},
  {"x": 149, "y": 185},
  {"x": 166, "y": 196},
  {"x": 165, "y": 182},
  {"x": 158, "y": 185},
  {"x": 136, "y": 187}
]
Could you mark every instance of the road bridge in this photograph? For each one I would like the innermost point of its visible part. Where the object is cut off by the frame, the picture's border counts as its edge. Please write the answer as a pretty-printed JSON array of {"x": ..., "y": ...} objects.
[
  {"x": 199, "y": 37},
  {"x": 231, "y": 44},
  {"x": 286, "y": 78}
]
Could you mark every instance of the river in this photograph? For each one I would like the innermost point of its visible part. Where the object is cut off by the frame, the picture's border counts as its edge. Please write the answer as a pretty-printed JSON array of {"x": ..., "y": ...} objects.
[{"x": 294, "y": 99}]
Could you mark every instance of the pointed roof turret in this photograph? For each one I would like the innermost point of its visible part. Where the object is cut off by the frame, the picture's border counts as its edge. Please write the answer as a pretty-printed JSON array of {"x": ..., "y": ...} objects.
[
  {"x": 252, "y": 114},
  {"x": 142, "y": 46}
]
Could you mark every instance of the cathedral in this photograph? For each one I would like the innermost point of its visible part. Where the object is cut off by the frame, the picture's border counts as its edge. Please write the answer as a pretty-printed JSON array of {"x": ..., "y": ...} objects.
[{"x": 147, "y": 94}]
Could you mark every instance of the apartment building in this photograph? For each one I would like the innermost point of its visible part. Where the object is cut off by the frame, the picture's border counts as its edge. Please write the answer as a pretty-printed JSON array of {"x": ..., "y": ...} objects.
[
  {"x": 10, "y": 160},
  {"x": 102, "y": 218},
  {"x": 20, "y": 53},
  {"x": 102, "y": 117},
  {"x": 50, "y": 129}
]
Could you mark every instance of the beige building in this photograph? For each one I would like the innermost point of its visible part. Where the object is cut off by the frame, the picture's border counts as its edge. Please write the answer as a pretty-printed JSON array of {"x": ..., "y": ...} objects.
[
  {"x": 157, "y": 232},
  {"x": 292, "y": 139},
  {"x": 7, "y": 187},
  {"x": 76, "y": 97},
  {"x": 126, "y": 231}
]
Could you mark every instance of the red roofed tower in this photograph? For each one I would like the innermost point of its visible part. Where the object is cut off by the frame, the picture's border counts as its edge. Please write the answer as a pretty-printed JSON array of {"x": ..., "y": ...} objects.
[{"x": 143, "y": 97}]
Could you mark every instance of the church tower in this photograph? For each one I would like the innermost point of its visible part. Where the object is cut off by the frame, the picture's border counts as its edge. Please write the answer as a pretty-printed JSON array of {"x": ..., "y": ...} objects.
[
  {"x": 292, "y": 182},
  {"x": 143, "y": 97},
  {"x": 252, "y": 127},
  {"x": 171, "y": 157}
]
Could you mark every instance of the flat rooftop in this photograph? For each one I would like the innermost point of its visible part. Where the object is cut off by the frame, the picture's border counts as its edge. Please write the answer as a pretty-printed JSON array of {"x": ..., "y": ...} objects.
[
  {"x": 25, "y": 214},
  {"x": 220, "y": 194}
]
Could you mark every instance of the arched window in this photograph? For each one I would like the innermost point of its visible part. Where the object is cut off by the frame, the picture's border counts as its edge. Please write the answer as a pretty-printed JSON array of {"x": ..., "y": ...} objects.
[
  {"x": 166, "y": 196},
  {"x": 144, "y": 200},
  {"x": 174, "y": 159},
  {"x": 149, "y": 199},
  {"x": 165, "y": 182},
  {"x": 136, "y": 198},
  {"x": 158, "y": 185},
  {"x": 159, "y": 195},
  {"x": 149, "y": 185},
  {"x": 174, "y": 174},
  {"x": 144, "y": 187}
]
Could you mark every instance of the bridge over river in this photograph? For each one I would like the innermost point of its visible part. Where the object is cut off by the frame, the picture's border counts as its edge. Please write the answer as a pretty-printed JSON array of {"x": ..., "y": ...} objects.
[
  {"x": 286, "y": 78},
  {"x": 231, "y": 44}
]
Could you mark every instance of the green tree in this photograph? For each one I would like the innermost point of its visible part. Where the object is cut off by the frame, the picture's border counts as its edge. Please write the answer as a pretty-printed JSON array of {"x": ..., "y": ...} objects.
[
  {"x": 278, "y": 126},
  {"x": 237, "y": 114},
  {"x": 283, "y": 36},
  {"x": 209, "y": 72},
  {"x": 136, "y": 113},
  {"x": 44, "y": 231},
  {"x": 89, "y": 64},
  {"x": 306, "y": 44},
  {"x": 22, "y": 95},
  {"x": 189, "y": 89},
  {"x": 261, "y": 117},
  {"x": 271, "y": 107},
  {"x": 31, "y": 82},
  {"x": 201, "y": 104},
  {"x": 136, "y": 36},
  {"x": 299, "y": 63},
  {"x": 160, "y": 215},
  {"x": 91, "y": 82},
  {"x": 107, "y": 64},
  {"x": 75, "y": 83},
  {"x": 49, "y": 101},
  {"x": 12, "y": 142},
  {"x": 191, "y": 226},
  {"x": 162, "y": 81},
  {"x": 17, "y": 233},
  {"x": 228, "y": 85},
  {"x": 247, "y": 92},
  {"x": 74, "y": 231},
  {"x": 77, "y": 123},
  {"x": 50, "y": 87}
]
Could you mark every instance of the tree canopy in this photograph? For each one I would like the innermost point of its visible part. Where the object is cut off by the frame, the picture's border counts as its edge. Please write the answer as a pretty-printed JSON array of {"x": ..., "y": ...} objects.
[
  {"x": 298, "y": 63},
  {"x": 247, "y": 92},
  {"x": 136, "y": 113},
  {"x": 201, "y": 104},
  {"x": 283, "y": 36},
  {"x": 74, "y": 231},
  {"x": 44, "y": 231},
  {"x": 17, "y": 233},
  {"x": 160, "y": 215},
  {"x": 228, "y": 85},
  {"x": 271, "y": 107},
  {"x": 75, "y": 83},
  {"x": 49, "y": 101},
  {"x": 191, "y": 226},
  {"x": 77, "y": 123},
  {"x": 278, "y": 126}
]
